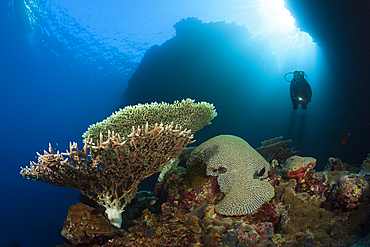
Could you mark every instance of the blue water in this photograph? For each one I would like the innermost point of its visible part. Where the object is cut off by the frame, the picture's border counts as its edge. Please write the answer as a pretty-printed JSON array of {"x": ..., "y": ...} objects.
[{"x": 53, "y": 88}]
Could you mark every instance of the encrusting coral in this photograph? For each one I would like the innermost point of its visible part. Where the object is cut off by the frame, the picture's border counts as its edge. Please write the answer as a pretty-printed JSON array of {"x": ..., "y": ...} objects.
[
  {"x": 187, "y": 114},
  {"x": 239, "y": 169}
]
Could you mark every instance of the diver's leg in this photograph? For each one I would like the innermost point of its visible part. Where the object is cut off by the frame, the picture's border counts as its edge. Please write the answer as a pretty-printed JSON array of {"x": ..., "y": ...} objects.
[
  {"x": 304, "y": 107},
  {"x": 295, "y": 105}
]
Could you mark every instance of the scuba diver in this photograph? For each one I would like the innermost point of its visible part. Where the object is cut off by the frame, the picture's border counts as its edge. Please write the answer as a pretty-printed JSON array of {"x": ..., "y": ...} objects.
[{"x": 300, "y": 90}]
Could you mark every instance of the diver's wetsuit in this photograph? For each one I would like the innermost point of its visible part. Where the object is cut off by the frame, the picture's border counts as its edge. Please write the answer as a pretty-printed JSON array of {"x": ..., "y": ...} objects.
[{"x": 300, "y": 93}]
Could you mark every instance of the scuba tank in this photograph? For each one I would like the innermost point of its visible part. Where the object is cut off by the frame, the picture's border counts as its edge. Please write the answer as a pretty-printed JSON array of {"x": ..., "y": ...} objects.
[{"x": 303, "y": 74}]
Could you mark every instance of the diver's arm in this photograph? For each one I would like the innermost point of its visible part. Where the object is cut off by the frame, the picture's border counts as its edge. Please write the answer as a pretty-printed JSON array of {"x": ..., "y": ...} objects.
[
  {"x": 291, "y": 90},
  {"x": 309, "y": 90}
]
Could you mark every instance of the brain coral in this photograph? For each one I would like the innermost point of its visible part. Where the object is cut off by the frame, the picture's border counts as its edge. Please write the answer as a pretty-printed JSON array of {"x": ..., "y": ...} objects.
[
  {"x": 238, "y": 167},
  {"x": 186, "y": 113}
]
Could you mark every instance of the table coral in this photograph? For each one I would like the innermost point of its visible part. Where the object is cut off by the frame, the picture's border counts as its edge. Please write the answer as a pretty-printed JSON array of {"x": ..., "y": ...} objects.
[
  {"x": 186, "y": 113},
  {"x": 274, "y": 148}
]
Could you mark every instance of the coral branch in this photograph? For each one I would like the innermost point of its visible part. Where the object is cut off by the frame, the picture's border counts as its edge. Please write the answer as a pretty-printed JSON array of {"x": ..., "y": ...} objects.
[{"x": 109, "y": 171}]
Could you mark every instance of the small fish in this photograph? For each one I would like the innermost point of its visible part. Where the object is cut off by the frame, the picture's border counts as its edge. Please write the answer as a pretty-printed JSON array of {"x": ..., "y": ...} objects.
[
  {"x": 261, "y": 172},
  {"x": 68, "y": 194},
  {"x": 345, "y": 138},
  {"x": 220, "y": 170}
]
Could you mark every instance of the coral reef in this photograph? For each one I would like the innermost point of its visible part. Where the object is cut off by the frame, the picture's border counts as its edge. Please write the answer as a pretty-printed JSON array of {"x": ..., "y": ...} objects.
[
  {"x": 333, "y": 171},
  {"x": 307, "y": 222},
  {"x": 349, "y": 192},
  {"x": 237, "y": 167},
  {"x": 304, "y": 210},
  {"x": 352, "y": 190}
]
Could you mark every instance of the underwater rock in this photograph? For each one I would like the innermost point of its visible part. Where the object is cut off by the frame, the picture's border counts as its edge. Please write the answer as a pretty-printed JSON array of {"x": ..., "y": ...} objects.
[
  {"x": 296, "y": 162},
  {"x": 243, "y": 234},
  {"x": 329, "y": 178},
  {"x": 83, "y": 226},
  {"x": 365, "y": 168},
  {"x": 305, "y": 221},
  {"x": 333, "y": 171},
  {"x": 334, "y": 164},
  {"x": 296, "y": 167},
  {"x": 142, "y": 200},
  {"x": 351, "y": 190}
]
